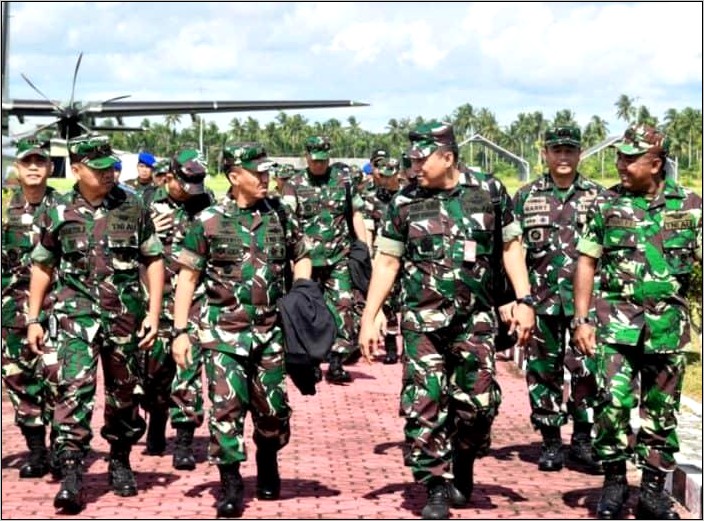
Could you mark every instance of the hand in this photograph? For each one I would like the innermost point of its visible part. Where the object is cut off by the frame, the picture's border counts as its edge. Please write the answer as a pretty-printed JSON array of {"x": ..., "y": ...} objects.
[
  {"x": 163, "y": 221},
  {"x": 506, "y": 312},
  {"x": 380, "y": 323},
  {"x": 523, "y": 322},
  {"x": 369, "y": 337},
  {"x": 181, "y": 350},
  {"x": 35, "y": 338},
  {"x": 147, "y": 332},
  {"x": 584, "y": 339}
]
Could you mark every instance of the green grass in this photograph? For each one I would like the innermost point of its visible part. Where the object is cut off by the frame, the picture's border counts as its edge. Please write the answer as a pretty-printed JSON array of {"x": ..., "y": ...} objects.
[{"x": 692, "y": 386}]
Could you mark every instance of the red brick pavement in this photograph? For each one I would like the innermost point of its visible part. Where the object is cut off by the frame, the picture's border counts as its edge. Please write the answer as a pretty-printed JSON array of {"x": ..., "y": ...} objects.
[{"x": 344, "y": 461}]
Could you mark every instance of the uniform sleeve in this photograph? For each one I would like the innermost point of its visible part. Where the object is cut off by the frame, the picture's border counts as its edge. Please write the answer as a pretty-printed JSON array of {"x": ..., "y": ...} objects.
[
  {"x": 47, "y": 252},
  {"x": 289, "y": 198},
  {"x": 518, "y": 203},
  {"x": 510, "y": 228},
  {"x": 392, "y": 240},
  {"x": 297, "y": 243},
  {"x": 149, "y": 243},
  {"x": 194, "y": 247},
  {"x": 592, "y": 240}
]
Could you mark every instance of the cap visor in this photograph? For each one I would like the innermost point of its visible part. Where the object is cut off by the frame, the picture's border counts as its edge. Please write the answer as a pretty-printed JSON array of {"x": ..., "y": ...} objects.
[
  {"x": 258, "y": 166},
  {"x": 565, "y": 142},
  {"x": 319, "y": 156},
  {"x": 34, "y": 152},
  {"x": 416, "y": 153},
  {"x": 628, "y": 149},
  {"x": 193, "y": 188},
  {"x": 101, "y": 163}
]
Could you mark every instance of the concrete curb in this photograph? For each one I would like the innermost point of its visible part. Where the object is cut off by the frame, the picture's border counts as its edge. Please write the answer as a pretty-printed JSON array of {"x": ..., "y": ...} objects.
[{"x": 685, "y": 483}]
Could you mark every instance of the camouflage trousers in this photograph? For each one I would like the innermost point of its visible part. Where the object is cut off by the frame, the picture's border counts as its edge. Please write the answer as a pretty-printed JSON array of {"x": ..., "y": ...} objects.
[
  {"x": 78, "y": 367},
  {"x": 661, "y": 374},
  {"x": 158, "y": 370},
  {"x": 187, "y": 390},
  {"x": 237, "y": 384},
  {"x": 337, "y": 289},
  {"x": 548, "y": 355},
  {"x": 30, "y": 380},
  {"x": 450, "y": 397}
]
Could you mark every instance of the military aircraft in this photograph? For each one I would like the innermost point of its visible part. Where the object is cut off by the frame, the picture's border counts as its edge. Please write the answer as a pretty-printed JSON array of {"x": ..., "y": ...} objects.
[{"x": 75, "y": 118}]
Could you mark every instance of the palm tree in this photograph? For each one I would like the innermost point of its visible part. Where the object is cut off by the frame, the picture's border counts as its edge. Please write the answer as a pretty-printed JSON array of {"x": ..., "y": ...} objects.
[{"x": 625, "y": 109}]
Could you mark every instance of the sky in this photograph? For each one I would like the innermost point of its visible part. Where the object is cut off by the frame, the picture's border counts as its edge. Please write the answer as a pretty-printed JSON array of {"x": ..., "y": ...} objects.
[{"x": 404, "y": 59}]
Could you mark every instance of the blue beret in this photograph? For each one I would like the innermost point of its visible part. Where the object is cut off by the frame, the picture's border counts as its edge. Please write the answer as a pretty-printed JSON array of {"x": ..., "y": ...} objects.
[
  {"x": 147, "y": 159},
  {"x": 118, "y": 166},
  {"x": 367, "y": 169}
]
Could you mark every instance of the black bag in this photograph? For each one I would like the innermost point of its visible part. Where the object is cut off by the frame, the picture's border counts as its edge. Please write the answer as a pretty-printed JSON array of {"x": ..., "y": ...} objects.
[
  {"x": 502, "y": 291},
  {"x": 359, "y": 261}
]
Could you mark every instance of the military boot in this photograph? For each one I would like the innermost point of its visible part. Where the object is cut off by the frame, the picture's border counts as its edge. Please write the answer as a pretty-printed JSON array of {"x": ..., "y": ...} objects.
[
  {"x": 183, "y": 451},
  {"x": 551, "y": 457},
  {"x": 231, "y": 499},
  {"x": 268, "y": 479},
  {"x": 460, "y": 490},
  {"x": 336, "y": 374},
  {"x": 37, "y": 464},
  {"x": 615, "y": 491},
  {"x": 438, "y": 503},
  {"x": 120, "y": 475},
  {"x": 156, "y": 433},
  {"x": 391, "y": 349},
  {"x": 654, "y": 501},
  {"x": 54, "y": 460},
  {"x": 581, "y": 445},
  {"x": 70, "y": 496}
]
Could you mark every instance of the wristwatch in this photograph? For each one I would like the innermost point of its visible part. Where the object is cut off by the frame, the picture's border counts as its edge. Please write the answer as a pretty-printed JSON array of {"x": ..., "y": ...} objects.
[
  {"x": 32, "y": 320},
  {"x": 178, "y": 331},
  {"x": 528, "y": 300},
  {"x": 579, "y": 321}
]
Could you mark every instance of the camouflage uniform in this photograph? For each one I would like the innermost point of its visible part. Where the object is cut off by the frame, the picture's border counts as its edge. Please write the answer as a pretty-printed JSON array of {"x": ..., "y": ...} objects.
[
  {"x": 99, "y": 305},
  {"x": 451, "y": 395},
  {"x": 646, "y": 250},
  {"x": 319, "y": 204},
  {"x": 552, "y": 221},
  {"x": 30, "y": 380},
  {"x": 241, "y": 254}
]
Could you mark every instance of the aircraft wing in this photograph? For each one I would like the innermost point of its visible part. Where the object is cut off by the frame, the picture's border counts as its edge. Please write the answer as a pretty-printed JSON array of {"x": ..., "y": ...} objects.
[{"x": 20, "y": 107}]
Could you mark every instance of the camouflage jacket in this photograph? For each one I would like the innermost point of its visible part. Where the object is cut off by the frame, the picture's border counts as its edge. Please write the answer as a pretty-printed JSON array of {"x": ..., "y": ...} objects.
[
  {"x": 184, "y": 214},
  {"x": 552, "y": 221},
  {"x": 241, "y": 253},
  {"x": 647, "y": 249},
  {"x": 138, "y": 187},
  {"x": 20, "y": 234},
  {"x": 98, "y": 251},
  {"x": 445, "y": 241},
  {"x": 376, "y": 203},
  {"x": 319, "y": 204}
]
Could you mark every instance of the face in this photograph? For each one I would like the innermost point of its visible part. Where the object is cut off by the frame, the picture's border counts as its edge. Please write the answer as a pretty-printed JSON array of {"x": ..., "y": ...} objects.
[
  {"x": 252, "y": 186},
  {"x": 173, "y": 186},
  {"x": 94, "y": 181},
  {"x": 562, "y": 160},
  {"x": 33, "y": 170},
  {"x": 159, "y": 180},
  {"x": 639, "y": 174},
  {"x": 144, "y": 173},
  {"x": 433, "y": 171},
  {"x": 317, "y": 166}
]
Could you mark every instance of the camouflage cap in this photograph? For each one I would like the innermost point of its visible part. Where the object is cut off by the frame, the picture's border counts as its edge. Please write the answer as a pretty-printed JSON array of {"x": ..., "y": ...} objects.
[
  {"x": 31, "y": 146},
  {"x": 427, "y": 138},
  {"x": 318, "y": 147},
  {"x": 189, "y": 169},
  {"x": 161, "y": 167},
  {"x": 285, "y": 171},
  {"x": 378, "y": 154},
  {"x": 93, "y": 151},
  {"x": 388, "y": 167},
  {"x": 562, "y": 135},
  {"x": 250, "y": 156},
  {"x": 639, "y": 139}
]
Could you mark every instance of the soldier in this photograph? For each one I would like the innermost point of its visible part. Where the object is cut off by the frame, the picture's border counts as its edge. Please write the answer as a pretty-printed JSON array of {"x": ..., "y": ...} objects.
[
  {"x": 646, "y": 234},
  {"x": 97, "y": 235},
  {"x": 174, "y": 206},
  {"x": 30, "y": 380},
  {"x": 385, "y": 172},
  {"x": 438, "y": 235},
  {"x": 145, "y": 167},
  {"x": 284, "y": 172},
  {"x": 240, "y": 247},
  {"x": 318, "y": 198},
  {"x": 552, "y": 212}
]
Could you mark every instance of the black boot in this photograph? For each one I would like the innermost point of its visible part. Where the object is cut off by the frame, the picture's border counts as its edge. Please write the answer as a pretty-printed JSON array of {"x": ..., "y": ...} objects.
[
  {"x": 654, "y": 501},
  {"x": 37, "y": 464},
  {"x": 551, "y": 457},
  {"x": 438, "y": 504},
  {"x": 391, "y": 349},
  {"x": 460, "y": 490},
  {"x": 120, "y": 475},
  {"x": 336, "y": 374},
  {"x": 231, "y": 491},
  {"x": 183, "y": 451},
  {"x": 54, "y": 461},
  {"x": 581, "y": 445},
  {"x": 156, "y": 433},
  {"x": 615, "y": 491},
  {"x": 70, "y": 496},
  {"x": 268, "y": 479}
]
